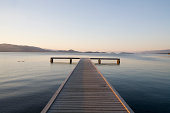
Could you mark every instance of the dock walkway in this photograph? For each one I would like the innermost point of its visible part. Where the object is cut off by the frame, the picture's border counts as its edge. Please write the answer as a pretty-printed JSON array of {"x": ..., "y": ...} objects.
[{"x": 86, "y": 91}]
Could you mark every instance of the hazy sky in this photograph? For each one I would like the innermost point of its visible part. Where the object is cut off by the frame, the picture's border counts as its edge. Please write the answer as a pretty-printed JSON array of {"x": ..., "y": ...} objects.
[{"x": 97, "y": 25}]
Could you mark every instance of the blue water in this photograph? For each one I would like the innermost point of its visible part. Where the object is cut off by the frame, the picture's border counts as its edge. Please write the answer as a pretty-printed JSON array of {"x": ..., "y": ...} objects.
[{"x": 28, "y": 80}]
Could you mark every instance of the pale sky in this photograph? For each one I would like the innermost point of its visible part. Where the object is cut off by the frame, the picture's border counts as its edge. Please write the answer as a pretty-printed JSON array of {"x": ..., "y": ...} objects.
[{"x": 84, "y": 25}]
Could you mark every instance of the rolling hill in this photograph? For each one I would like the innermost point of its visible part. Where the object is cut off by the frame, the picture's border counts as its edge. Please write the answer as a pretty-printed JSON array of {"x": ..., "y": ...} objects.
[{"x": 20, "y": 48}]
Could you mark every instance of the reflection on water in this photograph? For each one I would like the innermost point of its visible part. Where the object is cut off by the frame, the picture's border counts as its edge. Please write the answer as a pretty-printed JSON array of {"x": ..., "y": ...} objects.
[
  {"x": 28, "y": 80},
  {"x": 144, "y": 84},
  {"x": 28, "y": 84}
]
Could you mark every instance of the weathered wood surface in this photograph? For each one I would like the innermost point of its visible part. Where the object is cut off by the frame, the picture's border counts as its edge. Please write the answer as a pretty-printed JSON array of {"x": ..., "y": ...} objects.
[
  {"x": 80, "y": 58},
  {"x": 71, "y": 58},
  {"x": 106, "y": 58},
  {"x": 86, "y": 91},
  {"x": 65, "y": 58}
]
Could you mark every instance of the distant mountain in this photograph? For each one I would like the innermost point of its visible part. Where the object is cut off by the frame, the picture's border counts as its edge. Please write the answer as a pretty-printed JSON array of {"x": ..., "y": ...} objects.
[
  {"x": 69, "y": 51},
  {"x": 23, "y": 48},
  {"x": 126, "y": 53},
  {"x": 158, "y": 51},
  {"x": 93, "y": 52},
  {"x": 20, "y": 48}
]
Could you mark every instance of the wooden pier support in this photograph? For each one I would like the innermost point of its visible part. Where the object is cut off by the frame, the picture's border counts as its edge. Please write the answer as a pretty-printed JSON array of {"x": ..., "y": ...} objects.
[
  {"x": 118, "y": 61},
  {"x": 70, "y": 61},
  {"x": 99, "y": 61},
  {"x": 51, "y": 60}
]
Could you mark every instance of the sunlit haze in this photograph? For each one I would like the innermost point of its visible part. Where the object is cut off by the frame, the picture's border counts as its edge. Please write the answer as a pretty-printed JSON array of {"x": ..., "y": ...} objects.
[{"x": 87, "y": 25}]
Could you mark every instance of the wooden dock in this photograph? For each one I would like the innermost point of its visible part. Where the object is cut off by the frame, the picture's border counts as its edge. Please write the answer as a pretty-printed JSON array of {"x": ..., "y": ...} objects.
[
  {"x": 71, "y": 58},
  {"x": 86, "y": 91}
]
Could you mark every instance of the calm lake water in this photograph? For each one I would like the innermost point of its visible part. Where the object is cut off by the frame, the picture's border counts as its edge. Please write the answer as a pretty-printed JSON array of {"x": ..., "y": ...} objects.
[{"x": 28, "y": 80}]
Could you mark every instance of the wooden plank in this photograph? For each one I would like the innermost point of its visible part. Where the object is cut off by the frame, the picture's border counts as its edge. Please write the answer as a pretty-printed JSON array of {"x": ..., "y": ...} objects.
[
  {"x": 87, "y": 111},
  {"x": 86, "y": 91},
  {"x": 65, "y": 58},
  {"x": 105, "y": 58},
  {"x": 80, "y": 58}
]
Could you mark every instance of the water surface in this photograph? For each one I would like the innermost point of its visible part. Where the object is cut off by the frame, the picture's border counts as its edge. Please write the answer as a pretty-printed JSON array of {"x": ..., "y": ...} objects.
[{"x": 28, "y": 80}]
